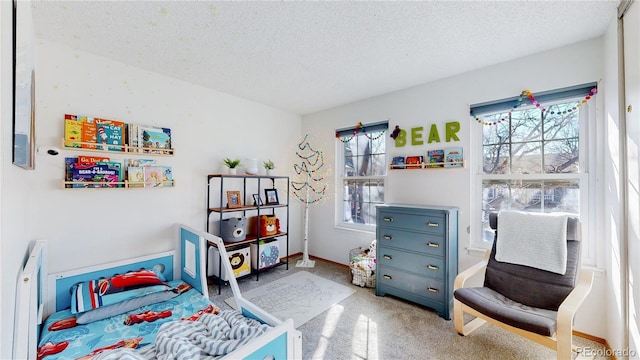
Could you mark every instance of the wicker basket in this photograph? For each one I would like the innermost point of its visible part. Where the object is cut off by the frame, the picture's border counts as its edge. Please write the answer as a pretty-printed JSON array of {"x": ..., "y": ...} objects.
[{"x": 359, "y": 266}]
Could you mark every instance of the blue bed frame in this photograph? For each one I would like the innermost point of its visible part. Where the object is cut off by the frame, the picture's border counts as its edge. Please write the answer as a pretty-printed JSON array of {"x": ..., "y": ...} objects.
[{"x": 37, "y": 298}]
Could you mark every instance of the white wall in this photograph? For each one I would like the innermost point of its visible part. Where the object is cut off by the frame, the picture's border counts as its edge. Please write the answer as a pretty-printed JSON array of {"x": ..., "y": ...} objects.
[
  {"x": 611, "y": 211},
  {"x": 632, "y": 160},
  {"x": 15, "y": 215},
  {"x": 87, "y": 227},
  {"x": 440, "y": 102}
]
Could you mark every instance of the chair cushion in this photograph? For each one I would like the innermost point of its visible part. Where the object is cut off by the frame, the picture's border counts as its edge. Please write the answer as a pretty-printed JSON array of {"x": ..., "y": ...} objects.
[
  {"x": 507, "y": 311},
  {"x": 534, "y": 287}
]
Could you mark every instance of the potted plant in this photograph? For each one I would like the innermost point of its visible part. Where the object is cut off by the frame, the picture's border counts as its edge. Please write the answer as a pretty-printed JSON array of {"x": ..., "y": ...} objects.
[
  {"x": 269, "y": 166},
  {"x": 231, "y": 164}
]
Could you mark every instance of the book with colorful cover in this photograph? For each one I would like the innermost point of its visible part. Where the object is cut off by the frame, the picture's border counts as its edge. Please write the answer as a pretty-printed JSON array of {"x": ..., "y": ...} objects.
[
  {"x": 413, "y": 162},
  {"x": 135, "y": 176},
  {"x": 84, "y": 159},
  {"x": 153, "y": 176},
  {"x": 98, "y": 175},
  {"x": 89, "y": 132},
  {"x": 435, "y": 158},
  {"x": 72, "y": 131},
  {"x": 139, "y": 162},
  {"x": 397, "y": 162},
  {"x": 453, "y": 157},
  {"x": 70, "y": 163},
  {"x": 110, "y": 132},
  {"x": 167, "y": 176},
  {"x": 154, "y": 139}
]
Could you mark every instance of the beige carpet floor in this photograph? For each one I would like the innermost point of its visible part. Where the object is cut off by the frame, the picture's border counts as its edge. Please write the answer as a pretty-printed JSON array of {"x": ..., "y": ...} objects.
[{"x": 365, "y": 326}]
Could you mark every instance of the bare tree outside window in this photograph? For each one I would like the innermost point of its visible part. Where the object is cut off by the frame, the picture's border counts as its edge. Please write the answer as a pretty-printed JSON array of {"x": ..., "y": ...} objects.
[
  {"x": 526, "y": 142},
  {"x": 363, "y": 185}
]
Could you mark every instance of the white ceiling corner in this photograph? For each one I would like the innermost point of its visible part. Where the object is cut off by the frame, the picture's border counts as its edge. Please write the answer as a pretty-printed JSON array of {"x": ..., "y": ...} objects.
[{"x": 308, "y": 56}]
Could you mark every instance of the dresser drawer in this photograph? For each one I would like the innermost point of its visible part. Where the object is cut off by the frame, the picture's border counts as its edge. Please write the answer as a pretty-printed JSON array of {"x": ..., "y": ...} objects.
[
  {"x": 431, "y": 223},
  {"x": 424, "y": 243},
  {"x": 419, "y": 285},
  {"x": 429, "y": 266}
]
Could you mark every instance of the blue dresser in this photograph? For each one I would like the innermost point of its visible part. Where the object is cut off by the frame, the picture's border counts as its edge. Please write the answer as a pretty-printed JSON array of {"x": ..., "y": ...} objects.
[{"x": 417, "y": 254}]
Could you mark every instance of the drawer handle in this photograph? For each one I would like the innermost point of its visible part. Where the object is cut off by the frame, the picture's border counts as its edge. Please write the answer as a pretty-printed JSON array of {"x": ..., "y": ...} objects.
[
  {"x": 388, "y": 219},
  {"x": 433, "y": 290},
  {"x": 435, "y": 245},
  {"x": 388, "y": 237},
  {"x": 388, "y": 257},
  {"x": 388, "y": 277},
  {"x": 432, "y": 267},
  {"x": 432, "y": 224}
]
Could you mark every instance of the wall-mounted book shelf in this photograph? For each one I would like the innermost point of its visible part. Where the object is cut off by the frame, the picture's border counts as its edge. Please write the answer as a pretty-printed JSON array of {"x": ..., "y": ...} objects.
[
  {"x": 448, "y": 158},
  {"x": 115, "y": 185},
  {"x": 128, "y": 143},
  {"x": 122, "y": 149},
  {"x": 429, "y": 166}
]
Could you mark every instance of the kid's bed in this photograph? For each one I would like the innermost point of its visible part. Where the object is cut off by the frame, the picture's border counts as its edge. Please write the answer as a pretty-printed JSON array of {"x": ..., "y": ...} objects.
[{"x": 107, "y": 311}]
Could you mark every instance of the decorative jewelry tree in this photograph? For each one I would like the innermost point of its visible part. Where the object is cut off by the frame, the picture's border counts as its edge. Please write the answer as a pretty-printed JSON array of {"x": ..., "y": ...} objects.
[{"x": 309, "y": 187}]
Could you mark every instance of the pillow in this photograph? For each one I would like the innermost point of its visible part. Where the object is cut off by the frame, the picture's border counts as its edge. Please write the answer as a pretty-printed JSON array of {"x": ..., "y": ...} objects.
[
  {"x": 84, "y": 297},
  {"x": 123, "y": 307},
  {"x": 102, "y": 292},
  {"x": 133, "y": 279}
]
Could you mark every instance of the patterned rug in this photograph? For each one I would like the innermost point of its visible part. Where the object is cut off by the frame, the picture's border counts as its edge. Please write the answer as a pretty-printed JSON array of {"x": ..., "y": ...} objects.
[{"x": 300, "y": 296}]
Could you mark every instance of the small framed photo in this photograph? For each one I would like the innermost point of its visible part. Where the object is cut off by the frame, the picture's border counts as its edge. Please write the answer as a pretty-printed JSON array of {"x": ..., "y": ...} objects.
[
  {"x": 257, "y": 201},
  {"x": 233, "y": 199},
  {"x": 272, "y": 196}
]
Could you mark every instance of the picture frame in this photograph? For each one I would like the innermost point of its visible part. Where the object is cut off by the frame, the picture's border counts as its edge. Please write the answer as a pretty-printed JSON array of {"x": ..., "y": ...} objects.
[
  {"x": 257, "y": 201},
  {"x": 271, "y": 196},
  {"x": 234, "y": 200},
  {"x": 24, "y": 144}
]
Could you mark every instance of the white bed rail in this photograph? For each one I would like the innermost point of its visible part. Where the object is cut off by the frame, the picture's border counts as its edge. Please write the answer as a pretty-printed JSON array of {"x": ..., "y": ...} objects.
[
  {"x": 29, "y": 303},
  {"x": 270, "y": 345}
]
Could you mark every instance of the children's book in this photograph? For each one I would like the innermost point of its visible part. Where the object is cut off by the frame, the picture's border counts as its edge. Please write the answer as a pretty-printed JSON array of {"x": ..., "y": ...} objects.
[
  {"x": 135, "y": 176},
  {"x": 167, "y": 177},
  {"x": 70, "y": 163},
  {"x": 89, "y": 132},
  {"x": 110, "y": 132},
  {"x": 153, "y": 176},
  {"x": 413, "y": 162},
  {"x": 453, "y": 157},
  {"x": 154, "y": 139},
  {"x": 139, "y": 162},
  {"x": 397, "y": 162},
  {"x": 435, "y": 158},
  {"x": 72, "y": 131},
  {"x": 132, "y": 138},
  {"x": 98, "y": 175},
  {"x": 83, "y": 159}
]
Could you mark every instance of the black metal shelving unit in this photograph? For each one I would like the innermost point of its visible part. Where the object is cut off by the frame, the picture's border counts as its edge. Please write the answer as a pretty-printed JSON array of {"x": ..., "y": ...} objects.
[{"x": 216, "y": 183}]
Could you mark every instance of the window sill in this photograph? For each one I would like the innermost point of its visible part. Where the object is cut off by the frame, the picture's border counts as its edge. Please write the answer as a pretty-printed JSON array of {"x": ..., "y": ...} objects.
[
  {"x": 476, "y": 251},
  {"x": 361, "y": 229}
]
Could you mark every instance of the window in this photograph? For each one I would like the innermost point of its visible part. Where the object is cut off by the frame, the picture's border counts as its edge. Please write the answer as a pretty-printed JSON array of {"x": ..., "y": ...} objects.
[
  {"x": 533, "y": 157},
  {"x": 363, "y": 164}
]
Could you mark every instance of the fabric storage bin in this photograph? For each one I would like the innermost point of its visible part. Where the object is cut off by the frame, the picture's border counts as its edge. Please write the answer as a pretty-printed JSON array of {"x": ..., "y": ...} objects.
[
  {"x": 240, "y": 260},
  {"x": 233, "y": 229},
  {"x": 269, "y": 255}
]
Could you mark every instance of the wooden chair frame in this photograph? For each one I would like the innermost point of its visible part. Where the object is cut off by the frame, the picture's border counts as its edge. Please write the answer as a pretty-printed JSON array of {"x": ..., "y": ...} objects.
[{"x": 561, "y": 341}]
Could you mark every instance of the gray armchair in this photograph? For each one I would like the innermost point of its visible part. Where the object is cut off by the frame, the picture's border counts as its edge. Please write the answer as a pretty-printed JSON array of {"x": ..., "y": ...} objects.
[{"x": 536, "y": 304}]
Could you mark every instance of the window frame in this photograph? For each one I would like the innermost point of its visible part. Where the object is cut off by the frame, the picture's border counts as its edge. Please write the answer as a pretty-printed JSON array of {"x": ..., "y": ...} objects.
[
  {"x": 341, "y": 177},
  {"x": 585, "y": 177}
]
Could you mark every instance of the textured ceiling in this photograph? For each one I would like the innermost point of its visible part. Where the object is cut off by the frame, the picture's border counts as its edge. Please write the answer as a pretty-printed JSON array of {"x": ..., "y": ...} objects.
[{"x": 309, "y": 56}]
